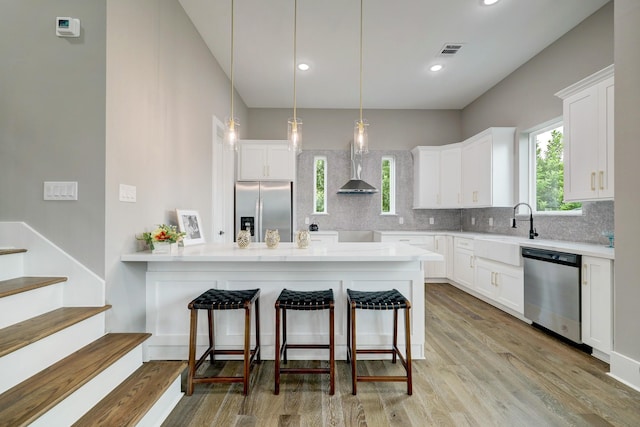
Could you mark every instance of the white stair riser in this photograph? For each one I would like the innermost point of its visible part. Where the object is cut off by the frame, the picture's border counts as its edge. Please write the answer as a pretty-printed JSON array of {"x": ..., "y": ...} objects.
[
  {"x": 11, "y": 266},
  {"x": 73, "y": 407},
  {"x": 163, "y": 407},
  {"x": 25, "y": 305},
  {"x": 26, "y": 362}
]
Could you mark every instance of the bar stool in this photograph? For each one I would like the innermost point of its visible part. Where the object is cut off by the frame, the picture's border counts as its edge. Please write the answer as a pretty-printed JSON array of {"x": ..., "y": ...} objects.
[
  {"x": 218, "y": 299},
  {"x": 384, "y": 300},
  {"x": 306, "y": 300}
]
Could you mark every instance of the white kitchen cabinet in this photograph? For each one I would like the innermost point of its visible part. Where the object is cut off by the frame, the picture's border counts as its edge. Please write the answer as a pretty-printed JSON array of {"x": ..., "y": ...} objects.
[
  {"x": 588, "y": 137},
  {"x": 323, "y": 237},
  {"x": 436, "y": 269},
  {"x": 265, "y": 161},
  {"x": 501, "y": 283},
  {"x": 463, "y": 262},
  {"x": 597, "y": 289},
  {"x": 487, "y": 168},
  {"x": 436, "y": 177}
]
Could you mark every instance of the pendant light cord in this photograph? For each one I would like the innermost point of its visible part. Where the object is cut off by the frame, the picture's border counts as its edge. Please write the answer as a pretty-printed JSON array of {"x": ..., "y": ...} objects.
[
  {"x": 232, "y": 37},
  {"x": 295, "y": 30},
  {"x": 361, "y": 4}
]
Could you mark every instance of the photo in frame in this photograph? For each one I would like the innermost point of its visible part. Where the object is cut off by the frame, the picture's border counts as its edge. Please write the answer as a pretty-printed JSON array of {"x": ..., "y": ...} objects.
[{"x": 189, "y": 222}]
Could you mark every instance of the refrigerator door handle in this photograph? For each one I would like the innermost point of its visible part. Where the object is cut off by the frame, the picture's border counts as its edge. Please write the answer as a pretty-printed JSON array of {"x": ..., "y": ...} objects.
[
  {"x": 260, "y": 213},
  {"x": 258, "y": 221}
]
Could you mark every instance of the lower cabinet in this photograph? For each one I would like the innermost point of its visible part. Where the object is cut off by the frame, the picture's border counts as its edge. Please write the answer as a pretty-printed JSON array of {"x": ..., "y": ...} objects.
[
  {"x": 463, "y": 261},
  {"x": 597, "y": 280},
  {"x": 501, "y": 283},
  {"x": 324, "y": 237},
  {"x": 436, "y": 269}
]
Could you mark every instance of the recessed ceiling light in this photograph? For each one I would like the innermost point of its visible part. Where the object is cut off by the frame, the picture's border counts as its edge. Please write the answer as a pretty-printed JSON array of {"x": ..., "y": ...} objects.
[
  {"x": 436, "y": 67},
  {"x": 303, "y": 67},
  {"x": 489, "y": 2}
]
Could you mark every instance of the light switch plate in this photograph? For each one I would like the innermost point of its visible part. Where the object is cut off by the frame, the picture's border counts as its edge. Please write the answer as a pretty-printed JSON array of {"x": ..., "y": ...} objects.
[
  {"x": 127, "y": 193},
  {"x": 60, "y": 190}
]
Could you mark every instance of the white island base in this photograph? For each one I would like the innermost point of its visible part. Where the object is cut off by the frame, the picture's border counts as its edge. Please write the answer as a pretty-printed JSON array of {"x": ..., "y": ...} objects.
[{"x": 172, "y": 281}]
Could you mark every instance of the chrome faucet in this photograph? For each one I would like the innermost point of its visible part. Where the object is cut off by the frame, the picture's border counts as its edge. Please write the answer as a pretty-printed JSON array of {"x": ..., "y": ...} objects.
[{"x": 532, "y": 231}]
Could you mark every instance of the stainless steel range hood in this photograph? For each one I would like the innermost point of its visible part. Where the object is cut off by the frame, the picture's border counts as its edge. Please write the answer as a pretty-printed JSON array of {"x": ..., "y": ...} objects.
[{"x": 356, "y": 185}]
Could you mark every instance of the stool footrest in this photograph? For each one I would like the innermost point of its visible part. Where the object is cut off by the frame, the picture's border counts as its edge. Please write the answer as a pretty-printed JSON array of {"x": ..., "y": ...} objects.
[
  {"x": 305, "y": 371},
  {"x": 299, "y": 346},
  {"x": 373, "y": 378}
]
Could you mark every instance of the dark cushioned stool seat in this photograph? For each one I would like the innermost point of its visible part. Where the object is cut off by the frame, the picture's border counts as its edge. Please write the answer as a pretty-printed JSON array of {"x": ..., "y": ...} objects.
[
  {"x": 379, "y": 300},
  {"x": 303, "y": 300},
  {"x": 220, "y": 299}
]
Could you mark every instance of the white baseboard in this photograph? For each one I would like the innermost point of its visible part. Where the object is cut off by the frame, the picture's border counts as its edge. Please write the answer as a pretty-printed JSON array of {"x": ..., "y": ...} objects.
[{"x": 626, "y": 370}]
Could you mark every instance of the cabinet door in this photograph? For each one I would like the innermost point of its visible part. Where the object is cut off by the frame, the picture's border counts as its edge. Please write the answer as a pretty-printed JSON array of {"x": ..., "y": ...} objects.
[
  {"x": 450, "y": 178},
  {"x": 476, "y": 173},
  {"x": 606, "y": 139},
  {"x": 597, "y": 303},
  {"x": 437, "y": 269},
  {"x": 580, "y": 115},
  {"x": 463, "y": 268},
  {"x": 252, "y": 161},
  {"x": 280, "y": 162},
  {"x": 509, "y": 282},
  {"x": 485, "y": 279},
  {"x": 426, "y": 181}
]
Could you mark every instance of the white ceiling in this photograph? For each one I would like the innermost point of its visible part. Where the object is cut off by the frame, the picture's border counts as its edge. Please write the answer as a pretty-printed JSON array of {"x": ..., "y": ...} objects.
[{"x": 402, "y": 38}]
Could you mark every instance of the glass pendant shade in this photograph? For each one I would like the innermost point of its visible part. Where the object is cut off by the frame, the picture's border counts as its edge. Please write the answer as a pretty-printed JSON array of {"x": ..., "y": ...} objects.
[
  {"x": 231, "y": 134},
  {"x": 294, "y": 134},
  {"x": 361, "y": 137}
]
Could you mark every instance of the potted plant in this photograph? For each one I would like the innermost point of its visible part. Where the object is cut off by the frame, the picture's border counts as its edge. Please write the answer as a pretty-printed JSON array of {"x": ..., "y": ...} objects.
[{"x": 160, "y": 239}]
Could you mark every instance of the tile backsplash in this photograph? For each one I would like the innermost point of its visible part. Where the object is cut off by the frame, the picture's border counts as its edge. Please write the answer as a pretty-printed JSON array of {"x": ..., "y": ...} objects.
[{"x": 354, "y": 212}]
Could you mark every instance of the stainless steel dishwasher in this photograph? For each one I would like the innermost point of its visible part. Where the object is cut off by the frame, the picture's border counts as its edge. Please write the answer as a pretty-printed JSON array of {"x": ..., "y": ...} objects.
[{"x": 552, "y": 291}]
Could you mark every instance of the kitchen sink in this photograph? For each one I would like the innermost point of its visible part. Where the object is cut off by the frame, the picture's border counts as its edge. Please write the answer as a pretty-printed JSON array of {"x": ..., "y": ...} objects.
[{"x": 503, "y": 249}]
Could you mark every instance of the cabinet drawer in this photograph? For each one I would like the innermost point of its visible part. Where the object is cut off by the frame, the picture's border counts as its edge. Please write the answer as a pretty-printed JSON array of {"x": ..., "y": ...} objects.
[
  {"x": 464, "y": 243},
  {"x": 409, "y": 239}
]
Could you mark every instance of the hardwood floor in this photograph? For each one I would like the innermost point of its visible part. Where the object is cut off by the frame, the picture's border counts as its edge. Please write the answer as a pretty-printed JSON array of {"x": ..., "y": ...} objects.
[{"x": 482, "y": 368}]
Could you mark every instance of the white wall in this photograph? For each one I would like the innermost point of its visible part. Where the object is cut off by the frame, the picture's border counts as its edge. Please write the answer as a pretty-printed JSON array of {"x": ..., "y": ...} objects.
[
  {"x": 163, "y": 88},
  {"x": 52, "y": 122},
  {"x": 627, "y": 176}
]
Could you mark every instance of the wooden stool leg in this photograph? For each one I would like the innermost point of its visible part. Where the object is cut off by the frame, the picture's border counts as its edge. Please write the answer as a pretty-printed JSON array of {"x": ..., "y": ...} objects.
[
  {"x": 192, "y": 350},
  {"x": 348, "y": 331},
  {"x": 257, "y": 315},
  {"x": 332, "y": 357},
  {"x": 407, "y": 332},
  {"x": 277, "y": 350},
  {"x": 354, "y": 356},
  {"x": 212, "y": 338},
  {"x": 284, "y": 336},
  {"x": 394, "y": 358}
]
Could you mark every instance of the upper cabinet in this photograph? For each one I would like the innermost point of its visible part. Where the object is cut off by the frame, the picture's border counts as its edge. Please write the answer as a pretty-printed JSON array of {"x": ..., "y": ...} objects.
[
  {"x": 436, "y": 177},
  {"x": 487, "y": 168},
  {"x": 588, "y": 137},
  {"x": 265, "y": 161}
]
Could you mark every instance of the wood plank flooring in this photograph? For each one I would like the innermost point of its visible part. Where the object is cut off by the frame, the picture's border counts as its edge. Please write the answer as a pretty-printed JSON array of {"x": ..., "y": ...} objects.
[{"x": 482, "y": 368}]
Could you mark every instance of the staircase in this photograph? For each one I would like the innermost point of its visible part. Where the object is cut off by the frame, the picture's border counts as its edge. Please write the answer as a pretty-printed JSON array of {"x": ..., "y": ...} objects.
[{"x": 58, "y": 367}]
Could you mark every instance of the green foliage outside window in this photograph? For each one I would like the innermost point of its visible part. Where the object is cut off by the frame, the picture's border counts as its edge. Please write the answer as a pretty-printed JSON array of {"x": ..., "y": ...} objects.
[
  {"x": 386, "y": 186},
  {"x": 550, "y": 176},
  {"x": 320, "y": 186}
]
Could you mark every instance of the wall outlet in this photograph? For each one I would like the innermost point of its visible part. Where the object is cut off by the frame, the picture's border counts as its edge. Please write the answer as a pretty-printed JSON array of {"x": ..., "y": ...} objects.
[
  {"x": 431, "y": 221},
  {"x": 473, "y": 220},
  {"x": 306, "y": 220},
  {"x": 400, "y": 220},
  {"x": 490, "y": 222}
]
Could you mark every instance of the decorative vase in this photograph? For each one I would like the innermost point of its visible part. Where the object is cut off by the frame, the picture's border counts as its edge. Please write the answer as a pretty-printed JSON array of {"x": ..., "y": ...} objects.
[
  {"x": 303, "y": 239},
  {"x": 272, "y": 238},
  {"x": 161, "y": 248},
  {"x": 243, "y": 239}
]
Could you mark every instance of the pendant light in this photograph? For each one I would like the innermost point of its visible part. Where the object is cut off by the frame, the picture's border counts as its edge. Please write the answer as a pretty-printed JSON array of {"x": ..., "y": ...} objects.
[
  {"x": 360, "y": 136},
  {"x": 294, "y": 128},
  {"x": 231, "y": 131}
]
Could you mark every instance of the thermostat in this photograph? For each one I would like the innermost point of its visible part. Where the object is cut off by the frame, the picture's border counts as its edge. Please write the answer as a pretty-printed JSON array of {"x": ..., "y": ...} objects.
[{"x": 67, "y": 27}]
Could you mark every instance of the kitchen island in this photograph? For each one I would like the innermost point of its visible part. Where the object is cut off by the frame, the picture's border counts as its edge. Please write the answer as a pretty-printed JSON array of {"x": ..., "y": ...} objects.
[{"x": 172, "y": 280}]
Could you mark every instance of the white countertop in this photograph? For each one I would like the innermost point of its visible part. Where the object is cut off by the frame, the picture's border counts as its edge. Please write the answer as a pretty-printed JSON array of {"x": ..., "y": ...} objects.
[
  {"x": 288, "y": 252},
  {"x": 587, "y": 249}
]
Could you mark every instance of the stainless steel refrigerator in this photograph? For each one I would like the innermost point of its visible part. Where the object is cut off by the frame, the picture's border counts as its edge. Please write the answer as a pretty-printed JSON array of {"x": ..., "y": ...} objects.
[{"x": 262, "y": 205}]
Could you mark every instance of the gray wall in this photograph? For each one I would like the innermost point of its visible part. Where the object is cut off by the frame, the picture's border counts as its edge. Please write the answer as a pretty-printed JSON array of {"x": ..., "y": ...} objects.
[
  {"x": 627, "y": 176},
  {"x": 333, "y": 129},
  {"x": 52, "y": 122},
  {"x": 163, "y": 89}
]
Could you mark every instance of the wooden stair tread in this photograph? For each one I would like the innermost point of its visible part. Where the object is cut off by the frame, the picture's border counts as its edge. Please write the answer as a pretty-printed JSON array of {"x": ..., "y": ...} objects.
[
  {"x": 7, "y": 251},
  {"x": 21, "y": 334},
  {"x": 127, "y": 404},
  {"x": 27, "y": 283},
  {"x": 27, "y": 401}
]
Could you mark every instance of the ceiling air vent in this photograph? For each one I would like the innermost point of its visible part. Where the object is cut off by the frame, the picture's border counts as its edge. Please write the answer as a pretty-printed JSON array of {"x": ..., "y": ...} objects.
[{"x": 450, "y": 49}]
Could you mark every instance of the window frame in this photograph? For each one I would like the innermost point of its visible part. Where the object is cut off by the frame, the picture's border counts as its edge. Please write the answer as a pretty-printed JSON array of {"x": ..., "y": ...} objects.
[
  {"x": 315, "y": 184},
  {"x": 392, "y": 185}
]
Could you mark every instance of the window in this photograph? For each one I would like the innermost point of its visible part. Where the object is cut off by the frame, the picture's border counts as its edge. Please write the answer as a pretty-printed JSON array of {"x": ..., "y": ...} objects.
[
  {"x": 547, "y": 166},
  {"x": 319, "y": 184},
  {"x": 388, "y": 185}
]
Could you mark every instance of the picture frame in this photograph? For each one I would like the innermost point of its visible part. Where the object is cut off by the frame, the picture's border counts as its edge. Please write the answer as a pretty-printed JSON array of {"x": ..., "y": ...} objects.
[{"x": 189, "y": 222}]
